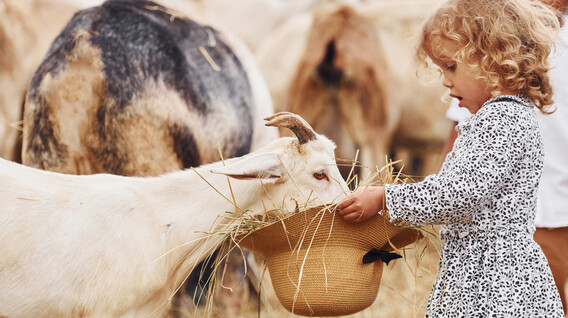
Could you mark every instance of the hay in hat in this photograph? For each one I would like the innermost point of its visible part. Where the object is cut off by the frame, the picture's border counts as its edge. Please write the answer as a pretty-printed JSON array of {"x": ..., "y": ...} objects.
[{"x": 315, "y": 259}]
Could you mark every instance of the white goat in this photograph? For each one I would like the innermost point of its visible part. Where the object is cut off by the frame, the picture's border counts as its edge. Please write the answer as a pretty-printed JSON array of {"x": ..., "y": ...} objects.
[{"x": 107, "y": 246}]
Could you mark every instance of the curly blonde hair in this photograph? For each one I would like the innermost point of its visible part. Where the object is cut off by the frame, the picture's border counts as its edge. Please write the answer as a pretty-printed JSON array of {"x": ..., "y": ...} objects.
[{"x": 508, "y": 41}]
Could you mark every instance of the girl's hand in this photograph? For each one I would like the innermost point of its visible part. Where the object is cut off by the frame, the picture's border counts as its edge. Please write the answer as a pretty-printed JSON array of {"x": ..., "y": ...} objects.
[{"x": 363, "y": 203}]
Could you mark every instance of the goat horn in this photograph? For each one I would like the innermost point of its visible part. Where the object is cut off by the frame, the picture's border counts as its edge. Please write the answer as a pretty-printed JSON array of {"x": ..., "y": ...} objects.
[{"x": 295, "y": 123}]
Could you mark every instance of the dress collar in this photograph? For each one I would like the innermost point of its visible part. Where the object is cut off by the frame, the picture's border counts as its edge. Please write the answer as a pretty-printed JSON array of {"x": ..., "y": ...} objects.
[{"x": 521, "y": 99}]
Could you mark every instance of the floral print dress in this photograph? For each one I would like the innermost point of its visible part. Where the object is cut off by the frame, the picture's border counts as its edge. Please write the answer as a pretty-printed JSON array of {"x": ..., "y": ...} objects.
[{"x": 485, "y": 198}]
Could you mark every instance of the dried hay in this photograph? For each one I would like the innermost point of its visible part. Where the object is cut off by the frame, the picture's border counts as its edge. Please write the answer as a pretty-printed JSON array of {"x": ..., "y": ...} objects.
[{"x": 313, "y": 257}]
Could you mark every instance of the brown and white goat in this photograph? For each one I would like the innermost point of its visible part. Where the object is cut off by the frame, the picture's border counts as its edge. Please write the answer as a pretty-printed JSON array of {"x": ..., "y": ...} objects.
[
  {"x": 340, "y": 83},
  {"x": 113, "y": 246},
  {"x": 133, "y": 88},
  {"x": 349, "y": 71}
]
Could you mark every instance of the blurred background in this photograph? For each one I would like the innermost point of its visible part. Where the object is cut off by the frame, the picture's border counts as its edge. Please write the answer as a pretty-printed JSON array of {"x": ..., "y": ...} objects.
[{"x": 346, "y": 67}]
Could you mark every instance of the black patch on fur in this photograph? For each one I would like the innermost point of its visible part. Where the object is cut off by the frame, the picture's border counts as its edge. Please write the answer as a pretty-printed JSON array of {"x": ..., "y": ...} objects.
[
  {"x": 47, "y": 152},
  {"x": 327, "y": 72},
  {"x": 109, "y": 149},
  {"x": 139, "y": 44},
  {"x": 185, "y": 146}
]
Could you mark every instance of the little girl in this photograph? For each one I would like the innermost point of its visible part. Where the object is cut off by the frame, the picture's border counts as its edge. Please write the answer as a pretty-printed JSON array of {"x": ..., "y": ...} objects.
[{"x": 493, "y": 56}]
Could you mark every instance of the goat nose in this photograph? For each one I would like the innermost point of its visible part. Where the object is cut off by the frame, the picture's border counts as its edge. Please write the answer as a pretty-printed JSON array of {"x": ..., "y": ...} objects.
[{"x": 327, "y": 72}]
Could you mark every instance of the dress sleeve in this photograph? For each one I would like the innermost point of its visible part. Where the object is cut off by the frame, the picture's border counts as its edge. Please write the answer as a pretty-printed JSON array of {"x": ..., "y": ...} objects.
[{"x": 481, "y": 162}]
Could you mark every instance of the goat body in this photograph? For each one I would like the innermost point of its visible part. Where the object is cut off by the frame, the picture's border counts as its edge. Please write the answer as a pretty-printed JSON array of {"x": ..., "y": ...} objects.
[
  {"x": 349, "y": 71},
  {"x": 133, "y": 88},
  {"x": 106, "y": 245}
]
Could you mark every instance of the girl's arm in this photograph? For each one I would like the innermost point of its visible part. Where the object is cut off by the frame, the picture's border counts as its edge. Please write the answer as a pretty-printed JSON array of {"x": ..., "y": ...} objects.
[{"x": 481, "y": 161}]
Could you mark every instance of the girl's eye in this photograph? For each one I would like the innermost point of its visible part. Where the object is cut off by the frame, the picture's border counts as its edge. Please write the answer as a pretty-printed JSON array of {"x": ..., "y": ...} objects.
[
  {"x": 451, "y": 67},
  {"x": 320, "y": 175}
]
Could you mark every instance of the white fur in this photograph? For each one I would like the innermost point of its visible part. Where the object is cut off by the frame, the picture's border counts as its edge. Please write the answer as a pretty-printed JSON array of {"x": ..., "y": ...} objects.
[{"x": 108, "y": 246}]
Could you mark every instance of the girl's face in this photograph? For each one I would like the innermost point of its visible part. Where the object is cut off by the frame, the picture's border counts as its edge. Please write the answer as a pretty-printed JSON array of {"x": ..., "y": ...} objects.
[{"x": 462, "y": 79}]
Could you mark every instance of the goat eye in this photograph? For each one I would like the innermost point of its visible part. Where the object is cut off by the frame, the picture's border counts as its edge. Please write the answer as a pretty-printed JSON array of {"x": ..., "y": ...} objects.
[{"x": 320, "y": 175}]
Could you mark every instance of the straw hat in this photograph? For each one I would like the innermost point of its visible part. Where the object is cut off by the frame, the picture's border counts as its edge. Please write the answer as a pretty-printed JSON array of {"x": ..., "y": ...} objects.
[{"x": 315, "y": 260}]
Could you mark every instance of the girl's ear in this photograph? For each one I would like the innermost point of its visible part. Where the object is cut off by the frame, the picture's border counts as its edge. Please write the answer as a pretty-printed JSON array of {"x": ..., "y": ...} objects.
[{"x": 262, "y": 165}]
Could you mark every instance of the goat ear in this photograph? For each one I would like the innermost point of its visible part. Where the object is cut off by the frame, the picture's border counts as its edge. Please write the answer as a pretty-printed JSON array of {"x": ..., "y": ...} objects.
[{"x": 263, "y": 165}]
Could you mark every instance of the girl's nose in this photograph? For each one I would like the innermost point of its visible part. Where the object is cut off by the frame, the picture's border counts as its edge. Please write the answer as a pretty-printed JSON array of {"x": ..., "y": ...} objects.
[{"x": 446, "y": 82}]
